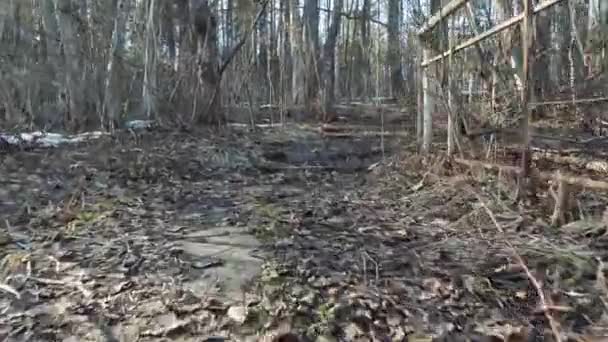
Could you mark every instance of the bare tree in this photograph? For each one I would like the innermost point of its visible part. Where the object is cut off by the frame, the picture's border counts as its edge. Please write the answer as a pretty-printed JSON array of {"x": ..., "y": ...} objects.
[{"x": 329, "y": 58}]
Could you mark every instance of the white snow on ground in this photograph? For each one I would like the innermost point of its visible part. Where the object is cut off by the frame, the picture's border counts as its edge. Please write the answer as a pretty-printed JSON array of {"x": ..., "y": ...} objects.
[{"x": 44, "y": 139}]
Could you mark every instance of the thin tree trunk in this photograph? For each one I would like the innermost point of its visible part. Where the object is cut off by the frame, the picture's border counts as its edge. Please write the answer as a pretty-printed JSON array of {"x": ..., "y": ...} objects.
[
  {"x": 208, "y": 65},
  {"x": 394, "y": 48},
  {"x": 297, "y": 53},
  {"x": 540, "y": 78},
  {"x": 428, "y": 85},
  {"x": 311, "y": 53},
  {"x": 150, "y": 61},
  {"x": 112, "y": 92},
  {"x": 428, "y": 106},
  {"x": 329, "y": 58},
  {"x": 66, "y": 14}
]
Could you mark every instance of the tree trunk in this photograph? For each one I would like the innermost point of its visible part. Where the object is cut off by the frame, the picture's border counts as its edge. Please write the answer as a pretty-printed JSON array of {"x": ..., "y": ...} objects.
[
  {"x": 169, "y": 31},
  {"x": 297, "y": 54},
  {"x": 285, "y": 51},
  {"x": 428, "y": 84},
  {"x": 365, "y": 66},
  {"x": 597, "y": 36},
  {"x": 67, "y": 12},
  {"x": 428, "y": 106},
  {"x": 539, "y": 81},
  {"x": 150, "y": 60},
  {"x": 51, "y": 32},
  {"x": 329, "y": 59},
  {"x": 113, "y": 94},
  {"x": 205, "y": 23},
  {"x": 262, "y": 60},
  {"x": 311, "y": 54},
  {"x": 394, "y": 48},
  {"x": 560, "y": 35}
]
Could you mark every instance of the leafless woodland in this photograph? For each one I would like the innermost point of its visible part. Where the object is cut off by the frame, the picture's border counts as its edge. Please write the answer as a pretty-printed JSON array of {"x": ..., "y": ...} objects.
[
  {"x": 409, "y": 170},
  {"x": 79, "y": 65}
]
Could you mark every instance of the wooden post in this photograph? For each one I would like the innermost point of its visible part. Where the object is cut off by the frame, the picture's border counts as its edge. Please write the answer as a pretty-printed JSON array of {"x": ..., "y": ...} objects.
[
  {"x": 419, "y": 101},
  {"x": 490, "y": 32},
  {"x": 428, "y": 106},
  {"x": 451, "y": 131},
  {"x": 527, "y": 41},
  {"x": 561, "y": 201}
]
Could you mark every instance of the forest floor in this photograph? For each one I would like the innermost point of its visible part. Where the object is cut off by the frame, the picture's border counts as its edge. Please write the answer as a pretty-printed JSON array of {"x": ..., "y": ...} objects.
[{"x": 239, "y": 235}]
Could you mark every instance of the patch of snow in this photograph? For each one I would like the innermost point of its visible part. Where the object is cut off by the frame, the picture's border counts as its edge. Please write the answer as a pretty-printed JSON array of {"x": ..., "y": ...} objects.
[
  {"x": 139, "y": 124},
  {"x": 45, "y": 139}
]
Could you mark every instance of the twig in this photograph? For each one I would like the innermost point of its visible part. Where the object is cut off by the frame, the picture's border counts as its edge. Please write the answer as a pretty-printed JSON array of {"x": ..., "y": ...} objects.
[
  {"x": 79, "y": 286},
  {"x": 545, "y": 307},
  {"x": 10, "y": 289}
]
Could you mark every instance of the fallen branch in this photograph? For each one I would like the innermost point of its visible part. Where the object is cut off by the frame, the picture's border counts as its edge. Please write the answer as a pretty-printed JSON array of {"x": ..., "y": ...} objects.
[
  {"x": 563, "y": 102},
  {"x": 346, "y": 127},
  {"x": 10, "y": 289},
  {"x": 545, "y": 306},
  {"x": 545, "y": 176},
  {"x": 76, "y": 285},
  {"x": 364, "y": 134},
  {"x": 357, "y": 131}
]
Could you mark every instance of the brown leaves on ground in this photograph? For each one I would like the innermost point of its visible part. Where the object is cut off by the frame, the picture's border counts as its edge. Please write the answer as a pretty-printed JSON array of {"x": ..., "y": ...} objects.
[{"x": 151, "y": 240}]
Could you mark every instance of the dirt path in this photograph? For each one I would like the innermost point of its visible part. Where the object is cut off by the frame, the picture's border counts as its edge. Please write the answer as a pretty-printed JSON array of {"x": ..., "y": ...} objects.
[
  {"x": 228, "y": 237},
  {"x": 157, "y": 237}
]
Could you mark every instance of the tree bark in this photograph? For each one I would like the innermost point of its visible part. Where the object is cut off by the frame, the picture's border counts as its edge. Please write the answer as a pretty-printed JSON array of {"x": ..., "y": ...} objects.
[
  {"x": 540, "y": 78},
  {"x": 150, "y": 60},
  {"x": 205, "y": 24},
  {"x": 113, "y": 94},
  {"x": 67, "y": 12},
  {"x": 311, "y": 54},
  {"x": 329, "y": 59},
  {"x": 394, "y": 47}
]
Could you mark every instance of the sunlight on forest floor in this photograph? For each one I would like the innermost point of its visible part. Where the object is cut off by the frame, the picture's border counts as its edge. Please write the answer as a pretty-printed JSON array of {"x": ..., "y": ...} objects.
[{"x": 235, "y": 235}]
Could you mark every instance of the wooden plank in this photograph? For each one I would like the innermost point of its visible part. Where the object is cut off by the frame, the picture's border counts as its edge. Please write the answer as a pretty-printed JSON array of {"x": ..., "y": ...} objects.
[
  {"x": 445, "y": 11},
  {"x": 496, "y": 29}
]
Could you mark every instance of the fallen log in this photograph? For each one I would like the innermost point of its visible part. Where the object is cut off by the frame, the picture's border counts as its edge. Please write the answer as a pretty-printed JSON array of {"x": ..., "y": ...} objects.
[
  {"x": 365, "y": 134},
  {"x": 543, "y": 175},
  {"x": 346, "y": 131},
  {"x": 566, "y": 184}
]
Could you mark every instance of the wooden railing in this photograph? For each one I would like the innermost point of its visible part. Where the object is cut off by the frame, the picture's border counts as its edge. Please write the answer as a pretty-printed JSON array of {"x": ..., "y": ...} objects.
[{"x": 425, "y": 33}]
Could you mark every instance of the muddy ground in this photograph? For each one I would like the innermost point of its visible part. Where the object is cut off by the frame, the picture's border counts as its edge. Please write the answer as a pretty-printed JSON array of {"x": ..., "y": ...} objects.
[{"x": 235, "y": 235}]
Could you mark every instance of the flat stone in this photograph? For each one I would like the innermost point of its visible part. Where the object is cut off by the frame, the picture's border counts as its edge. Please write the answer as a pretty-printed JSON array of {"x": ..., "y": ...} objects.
[{"x": 232, "y": 245}]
